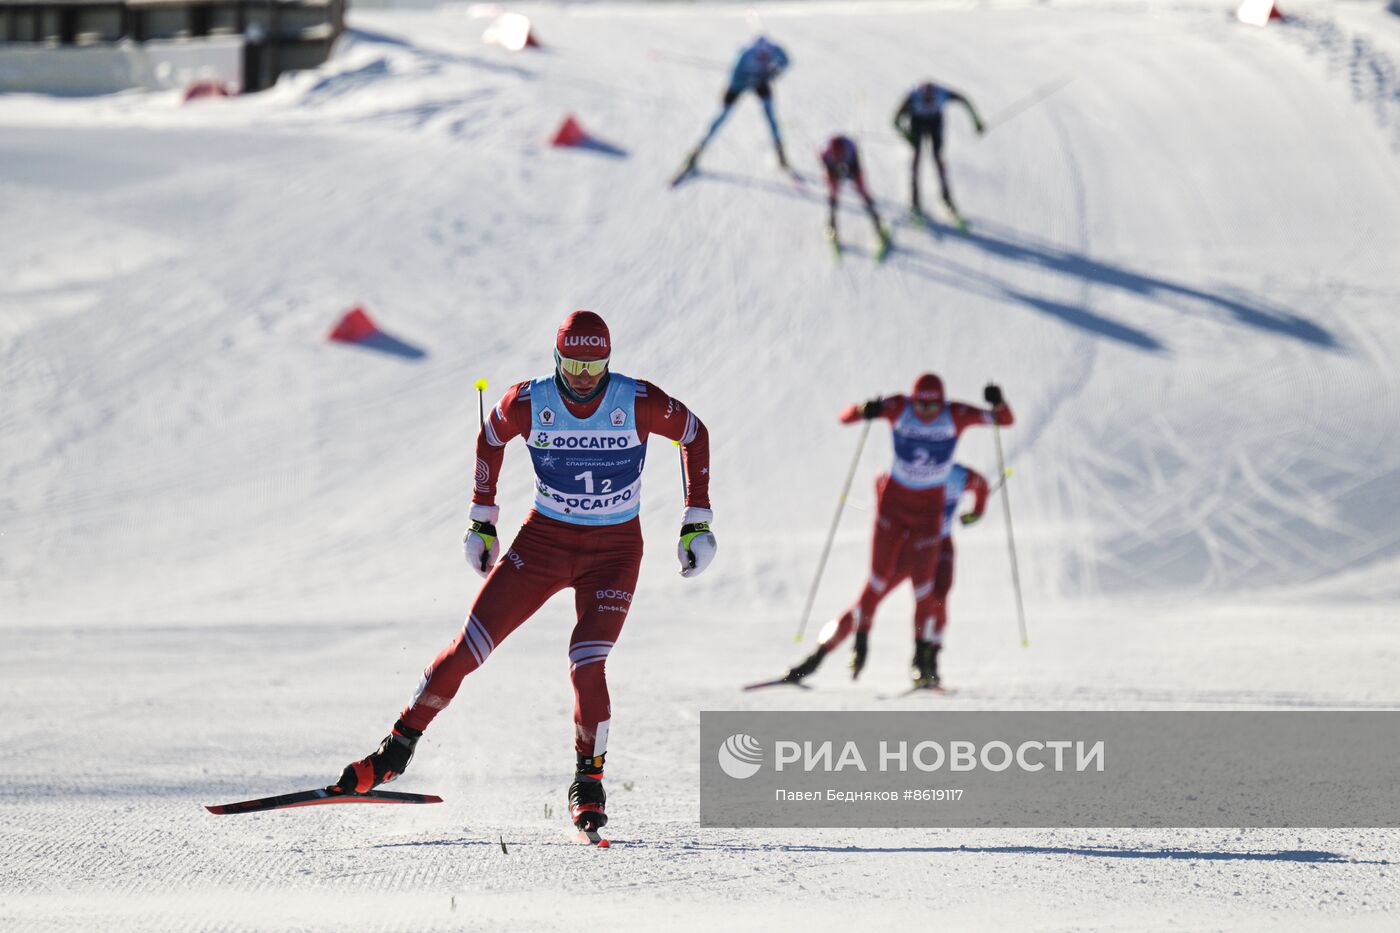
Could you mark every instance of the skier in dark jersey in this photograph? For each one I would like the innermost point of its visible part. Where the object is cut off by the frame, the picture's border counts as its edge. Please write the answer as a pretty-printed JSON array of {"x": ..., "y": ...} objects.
[
  {"x": 586, "y": 430},
  {"x": 909, "y": 504},
  {"x": 920, "y": 116}
]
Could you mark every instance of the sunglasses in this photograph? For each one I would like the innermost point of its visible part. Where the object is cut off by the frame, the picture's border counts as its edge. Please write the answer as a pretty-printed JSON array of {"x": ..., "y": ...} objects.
[{"x": 579, "y": 367}]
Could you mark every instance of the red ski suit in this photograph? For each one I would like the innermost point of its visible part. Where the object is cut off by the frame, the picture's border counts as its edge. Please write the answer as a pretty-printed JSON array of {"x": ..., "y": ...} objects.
[
  {"x": 926, "y": 627},
  {"x": 911, "y": 520},
  {"x": 600, "y": 563}
]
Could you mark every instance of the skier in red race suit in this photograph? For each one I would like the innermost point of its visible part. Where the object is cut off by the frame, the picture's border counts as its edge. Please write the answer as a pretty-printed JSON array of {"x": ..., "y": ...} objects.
[
  {"x": 927, "y": 627},
  {"x": 841, "y": 161},
  {"x": 586, "y": 429},
  {"x": 909, "y": 510}
]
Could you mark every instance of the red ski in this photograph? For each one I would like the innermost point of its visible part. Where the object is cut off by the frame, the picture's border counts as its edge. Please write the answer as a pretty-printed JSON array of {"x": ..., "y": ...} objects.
[
  {"x": 591, "y": 837},
  {"x": 311, "y": 798}
]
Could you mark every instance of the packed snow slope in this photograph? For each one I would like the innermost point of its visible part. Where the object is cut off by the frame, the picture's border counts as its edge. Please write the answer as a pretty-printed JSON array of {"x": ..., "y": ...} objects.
[{"x": 227, "y": 546}]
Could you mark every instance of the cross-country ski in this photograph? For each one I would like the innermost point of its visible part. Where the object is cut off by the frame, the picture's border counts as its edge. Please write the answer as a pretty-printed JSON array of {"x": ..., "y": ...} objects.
[{"x": 322, "y": 795}]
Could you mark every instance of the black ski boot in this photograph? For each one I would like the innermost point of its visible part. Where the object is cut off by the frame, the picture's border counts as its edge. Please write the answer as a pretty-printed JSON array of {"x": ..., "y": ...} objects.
[
  {"x": 858, "y": 653},
  {"x": 808, "y": 667},
  {"x": 924, "y": 669},
  {"x": 587, "y": 799},
  {"x": 384, "y": 764},
  {"x": 934, "y": 681}
]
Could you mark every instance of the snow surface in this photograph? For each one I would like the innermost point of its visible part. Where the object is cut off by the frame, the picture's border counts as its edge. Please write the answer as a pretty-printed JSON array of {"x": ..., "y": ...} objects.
[{"x": 228, "y": 547}]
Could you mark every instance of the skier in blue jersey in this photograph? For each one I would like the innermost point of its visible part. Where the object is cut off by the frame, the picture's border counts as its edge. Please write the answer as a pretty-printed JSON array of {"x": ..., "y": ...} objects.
[{"x": 756, "y": 68}]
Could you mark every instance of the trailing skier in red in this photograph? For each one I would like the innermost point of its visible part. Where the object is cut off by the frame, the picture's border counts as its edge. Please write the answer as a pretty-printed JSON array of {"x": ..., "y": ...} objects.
[
  {"x": 586, "y": 429},
  {"x": 929, "y": 626},
  {"x": 910, "y": 503}
]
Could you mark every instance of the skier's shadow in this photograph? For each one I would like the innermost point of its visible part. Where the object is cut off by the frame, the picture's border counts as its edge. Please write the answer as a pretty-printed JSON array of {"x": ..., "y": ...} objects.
[
  {"x": 940, "y": 269},
  {"x": 1297, "y": 856},
  {"x": 1011, "y": 245},
  {"x": 785, "y": 188},
  {"x": 1302, "y": 856},
  {"x": 1006, "y": 243},
  {"x": 442, "y": 842}
]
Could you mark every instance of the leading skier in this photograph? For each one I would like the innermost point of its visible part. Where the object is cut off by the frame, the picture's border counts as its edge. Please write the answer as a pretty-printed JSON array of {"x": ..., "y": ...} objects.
[
  {"x": 909, "y": 503},
  {"x": 756, "y": 68},
  {"x": 586, "y": 428}
]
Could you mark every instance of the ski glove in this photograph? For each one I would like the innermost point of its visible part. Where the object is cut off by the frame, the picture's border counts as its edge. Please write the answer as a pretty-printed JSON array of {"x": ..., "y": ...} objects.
[
  {"x": 480, "y": 541},
  {"x": 993, "y": 395},
  {"x": 969, "y": 518},
  {"x": 872, "y": 409},
  {"x": 697, "y": 545}
]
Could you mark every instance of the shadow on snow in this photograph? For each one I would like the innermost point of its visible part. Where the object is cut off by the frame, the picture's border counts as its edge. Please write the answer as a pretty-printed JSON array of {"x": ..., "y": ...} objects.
[
  {"x": 1301, "y": 856},
  {"x": 1007, "y": 243}
]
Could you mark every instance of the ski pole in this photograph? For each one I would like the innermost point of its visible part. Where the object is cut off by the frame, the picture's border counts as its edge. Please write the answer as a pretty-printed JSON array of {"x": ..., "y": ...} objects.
[
  {"x": 1010, "y": 536},
  {"x": 685, "y": 482},
  {"x": 1027, "y": 102},
  {"x": 830, "y": 536},
  {"x": 480, "y": 402}
]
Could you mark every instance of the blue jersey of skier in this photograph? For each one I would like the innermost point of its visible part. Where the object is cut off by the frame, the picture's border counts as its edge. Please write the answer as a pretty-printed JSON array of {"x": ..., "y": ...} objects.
[{"x": 756, "y": 68}]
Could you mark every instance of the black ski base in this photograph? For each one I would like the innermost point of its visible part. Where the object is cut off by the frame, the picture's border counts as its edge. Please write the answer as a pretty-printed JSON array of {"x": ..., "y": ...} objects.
[
  {"x": 780, "y": 682},
  {"x": 321, "y": 795}
]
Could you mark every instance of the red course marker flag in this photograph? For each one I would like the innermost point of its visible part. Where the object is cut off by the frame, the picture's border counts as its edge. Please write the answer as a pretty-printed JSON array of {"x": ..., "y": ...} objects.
[
  {"x": 355, "y": 326},
  {"x": 569, "y": 133}
]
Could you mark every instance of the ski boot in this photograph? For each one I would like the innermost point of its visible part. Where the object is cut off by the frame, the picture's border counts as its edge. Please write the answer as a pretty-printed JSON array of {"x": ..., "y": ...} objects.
[
  {"x": 886, "y": 242},
  {"x": 587, "y": 799},
  {"x": 858, "y": 653},
  {"x": 829, "y": 232},
  {"x": 924, "y": 669},
  {"x": 384, "y": 764},
  {"x": 689, "y": 168},
  {"x": 808, "y": 667},
  {"x": 958, "y": 220}
]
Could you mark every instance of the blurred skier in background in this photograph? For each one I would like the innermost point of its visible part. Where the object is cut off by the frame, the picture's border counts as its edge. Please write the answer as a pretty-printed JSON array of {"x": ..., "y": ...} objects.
[
  {"x": 920, "y": 116},
  {"x": 842, "y": 163},
  {"x": 909, "y": 509},
  {"x": 928, "y": 628},
  {"x": 586, "y": 429},
  {"x": 756, "y": 68}
]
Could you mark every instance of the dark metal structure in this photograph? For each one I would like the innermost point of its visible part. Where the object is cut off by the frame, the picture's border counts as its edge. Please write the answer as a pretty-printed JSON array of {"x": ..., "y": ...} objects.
[{"x": 280, "y": 35}]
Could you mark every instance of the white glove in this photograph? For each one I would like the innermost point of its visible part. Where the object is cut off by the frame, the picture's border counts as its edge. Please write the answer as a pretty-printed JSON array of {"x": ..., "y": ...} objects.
[
  {"x": 480, "y": 542},
  {"x": 697, "y": 545}
]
